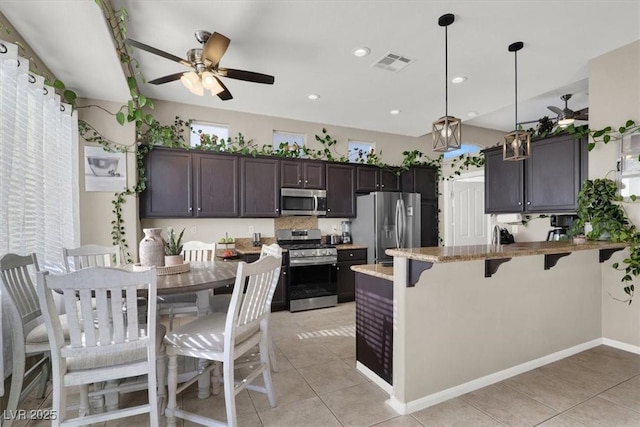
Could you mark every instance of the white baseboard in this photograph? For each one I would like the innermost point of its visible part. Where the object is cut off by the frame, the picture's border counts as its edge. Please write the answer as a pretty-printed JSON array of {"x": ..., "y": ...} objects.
[
  {"x": 385, "y": 386},
  {"x": 450, "y": 393},
  {"x": 621, "y": 345}
]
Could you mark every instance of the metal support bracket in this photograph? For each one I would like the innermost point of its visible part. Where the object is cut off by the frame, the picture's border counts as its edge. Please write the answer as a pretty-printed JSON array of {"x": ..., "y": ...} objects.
[
  {"x": 551, "y": 260},
  {"x": 605, "y": 254},
  {"x": 415, "y": 270},
  {"x": 491, "y": 265}
]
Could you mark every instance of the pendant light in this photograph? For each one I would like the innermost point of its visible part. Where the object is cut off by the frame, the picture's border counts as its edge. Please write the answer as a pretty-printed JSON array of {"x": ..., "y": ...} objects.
[
  {"x": 446, "y": 130},
  {"x": 517, "y": 144}
]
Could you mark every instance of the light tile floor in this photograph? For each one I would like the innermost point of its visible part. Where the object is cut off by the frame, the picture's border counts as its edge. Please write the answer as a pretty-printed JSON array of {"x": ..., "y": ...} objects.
[{"x": 318, "y": 385}]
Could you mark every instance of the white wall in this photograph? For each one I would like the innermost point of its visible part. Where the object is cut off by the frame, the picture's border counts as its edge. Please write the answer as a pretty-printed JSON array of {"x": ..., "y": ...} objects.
[{"x": 614, "y": 97}]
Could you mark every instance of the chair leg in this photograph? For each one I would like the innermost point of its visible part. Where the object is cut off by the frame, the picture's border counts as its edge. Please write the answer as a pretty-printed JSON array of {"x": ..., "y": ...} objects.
[
  {"x": 216, "y": 378},
  {"x": 266, "y": 373},
  {"x": 152, "y": 391},
  {"x": 229, "y": 391},
  {"x": 161, "y": 374},
  {"x": 17, "y": 379},
  {"x": 44, "y": 377},
  {"x": 111, "y": 400},
  {"x": 83, "y": 410},
  {"x": 172, "y": 384},
  {"x": 272, "y": 355},
  {"x": 59, "y": 399}
]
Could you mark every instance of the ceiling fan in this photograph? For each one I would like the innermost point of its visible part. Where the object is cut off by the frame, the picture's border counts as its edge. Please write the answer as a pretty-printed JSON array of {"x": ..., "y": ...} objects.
[
  {"x": 566, "y": 116},
  {"x": 205, "y": 63}
]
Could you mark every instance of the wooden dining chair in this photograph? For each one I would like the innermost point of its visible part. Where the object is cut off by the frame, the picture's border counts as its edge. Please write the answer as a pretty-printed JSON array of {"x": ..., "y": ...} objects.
[
  {"x": 184, "y": 305},
  {"x": 90, "y": 256},
  {"x": 105, "y": 343},
  {"x": 28, "y": 331},
  {"x": 225, "y": 337},
  {"x": 221, "y": 302}
]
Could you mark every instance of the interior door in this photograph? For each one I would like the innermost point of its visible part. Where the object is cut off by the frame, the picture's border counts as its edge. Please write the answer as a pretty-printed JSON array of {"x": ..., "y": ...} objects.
[{"x": 469, "y": 220}]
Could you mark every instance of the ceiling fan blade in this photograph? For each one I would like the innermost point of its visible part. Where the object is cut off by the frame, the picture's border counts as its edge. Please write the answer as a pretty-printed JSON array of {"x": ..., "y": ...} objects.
[
  {"x": 583, "y": 111},
  {"x": 158, "y": 52},
  {"x": 248, "y": 76},
  {"x": 166, "y": 79},
  {"x": 215, "y": 47},
  {"x": 556, "y": 110},
  {"x": 225, "y": 95}
]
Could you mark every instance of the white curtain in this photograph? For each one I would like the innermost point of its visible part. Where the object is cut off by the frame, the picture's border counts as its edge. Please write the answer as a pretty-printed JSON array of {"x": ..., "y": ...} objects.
[{"x": 39, "y": 209}]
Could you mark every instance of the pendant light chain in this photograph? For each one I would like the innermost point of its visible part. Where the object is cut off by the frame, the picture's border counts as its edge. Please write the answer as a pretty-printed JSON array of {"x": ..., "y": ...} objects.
[
  {"x": 446, "y": 72},
  {"x": 516, "y": 91},
  {"x": 517, "y": 144}
]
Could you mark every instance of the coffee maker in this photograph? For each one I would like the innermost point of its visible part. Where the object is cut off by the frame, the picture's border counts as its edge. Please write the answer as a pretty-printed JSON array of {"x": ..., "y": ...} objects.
[
  {"x": 346, "y": 232},
  {"x": 562, "y": 223}
]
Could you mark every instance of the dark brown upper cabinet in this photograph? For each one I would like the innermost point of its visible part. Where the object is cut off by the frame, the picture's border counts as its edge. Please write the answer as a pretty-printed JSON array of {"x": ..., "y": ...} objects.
[
  {"x": 341, "y": 198},
  {"x": 373, "y": 178},
  {"x": 420, "y": 179},
  {"x": 302, "y": 174},
  {"x": 259, "y": 187},
  {"x": 182, "y": 184},
  {"x": 546, "y": 182}
]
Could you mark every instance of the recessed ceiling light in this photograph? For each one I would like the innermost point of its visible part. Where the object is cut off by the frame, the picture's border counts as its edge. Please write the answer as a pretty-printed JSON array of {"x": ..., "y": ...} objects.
[
  {"x": 313, "y": 96},
  {"x": 458, "y": 79},
  {"x": 394, "y": 112},
  {"x": 472, "y": 114},
  {"x": 361, "y": 51}
]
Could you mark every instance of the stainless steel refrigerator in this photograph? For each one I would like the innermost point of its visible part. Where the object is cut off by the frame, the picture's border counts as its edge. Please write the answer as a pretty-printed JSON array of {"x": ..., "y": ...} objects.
[{"x": 387, "y": 220}]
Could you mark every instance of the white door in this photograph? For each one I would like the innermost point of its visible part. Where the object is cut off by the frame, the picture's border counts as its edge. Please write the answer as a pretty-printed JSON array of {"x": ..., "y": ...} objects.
[{"x": 469, "y": 219}]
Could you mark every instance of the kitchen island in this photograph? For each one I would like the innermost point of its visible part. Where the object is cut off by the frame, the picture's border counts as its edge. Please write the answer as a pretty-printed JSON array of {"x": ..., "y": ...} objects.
[{"x": 467, "y": 316}]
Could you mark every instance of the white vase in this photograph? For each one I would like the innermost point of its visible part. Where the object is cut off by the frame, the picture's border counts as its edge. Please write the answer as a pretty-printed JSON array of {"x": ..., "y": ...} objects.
[{"x": 151, "y": 249}]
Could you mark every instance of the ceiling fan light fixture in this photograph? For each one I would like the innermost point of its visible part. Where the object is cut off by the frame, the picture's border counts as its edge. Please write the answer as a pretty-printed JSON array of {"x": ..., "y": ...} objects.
[
  {"x": 208, "y": 81},
  {"x": 446, "y": 131},
  {"x": 564, "y": 122},
  {"x": 517, "y": 144}
]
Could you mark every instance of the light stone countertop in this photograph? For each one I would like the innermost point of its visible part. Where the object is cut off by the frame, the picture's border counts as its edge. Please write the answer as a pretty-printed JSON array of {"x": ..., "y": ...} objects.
[
  {"x": 484, "y": 252},
  {"x": 376, "y": 270},
  {"x": 349, "y": 246}
]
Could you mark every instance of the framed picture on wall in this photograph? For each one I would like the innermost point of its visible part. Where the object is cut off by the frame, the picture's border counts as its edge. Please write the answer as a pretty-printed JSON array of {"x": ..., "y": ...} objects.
[
  {"x": 629, "y": 165},
  {"x": 104, "y": 171}
]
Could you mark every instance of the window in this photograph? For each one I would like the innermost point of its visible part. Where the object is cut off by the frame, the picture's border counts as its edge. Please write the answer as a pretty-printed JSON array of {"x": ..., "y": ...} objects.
[
  {"x": 464, "y": 149},
  {"x": 204, "y": 128},
  {"x": 291, "y": 140},
  {"x": 358, "y": 151},
  {"x": 39, "y": 210}
]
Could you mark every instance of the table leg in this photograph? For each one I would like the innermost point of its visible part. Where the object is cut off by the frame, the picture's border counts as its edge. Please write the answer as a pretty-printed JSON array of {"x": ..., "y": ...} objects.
[{"x": 204, "y": 382}]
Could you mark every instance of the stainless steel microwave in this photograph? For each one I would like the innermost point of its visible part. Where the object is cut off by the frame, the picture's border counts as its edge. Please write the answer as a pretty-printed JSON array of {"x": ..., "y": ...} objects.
[{"x": 300, "y": 201}]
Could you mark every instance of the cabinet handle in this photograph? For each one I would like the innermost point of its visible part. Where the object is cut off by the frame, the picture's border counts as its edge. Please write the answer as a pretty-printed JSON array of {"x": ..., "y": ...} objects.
[
  {"x": 528, "y": 203},
  {"x": 306, "y": 181},
  {"x": 519, "y": 203},
  {"x": 284, "y": 273},
  {"x": 199, "y": 209},
  {"x": 382, "y": 186},
  {"x": 190, "y": 209},
  {"x": 299, "y": 181},
  {"x": 328, "y": 209},
  {"x": 351, "y": 254},
  {"x": 337, "y": 268},
  {"x": 277, "y": 210}
]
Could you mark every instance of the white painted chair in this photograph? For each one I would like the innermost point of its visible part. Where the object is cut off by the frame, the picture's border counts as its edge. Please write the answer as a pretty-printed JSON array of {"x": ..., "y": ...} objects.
[
  {"x": 221, "y": 302},
  {"x": 221, "y": 337},
  {"x": 91, "y": 256},
  {"x": 28, "y": 331},
  {"x": 183, "y": 305},
  {"x": 106, "y": 343}
]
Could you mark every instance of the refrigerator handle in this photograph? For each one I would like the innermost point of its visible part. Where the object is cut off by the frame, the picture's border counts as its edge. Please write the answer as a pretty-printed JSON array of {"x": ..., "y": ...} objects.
[
  {"x": 403, "y": 218},
  {"x": 397, "y": 225}
]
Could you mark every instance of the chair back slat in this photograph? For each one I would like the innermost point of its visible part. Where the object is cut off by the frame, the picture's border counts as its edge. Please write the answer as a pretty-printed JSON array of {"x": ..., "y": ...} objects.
[
  {"x": 91, "y": 256},
  {"x": 198, "y": 251},
  {"x": 95, "y": 330},
  {"x": 16, "y": 279}
]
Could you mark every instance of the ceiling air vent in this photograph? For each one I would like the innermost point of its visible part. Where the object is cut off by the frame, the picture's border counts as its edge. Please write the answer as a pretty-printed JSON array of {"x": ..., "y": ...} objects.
[{"x": 393, "y": 62}]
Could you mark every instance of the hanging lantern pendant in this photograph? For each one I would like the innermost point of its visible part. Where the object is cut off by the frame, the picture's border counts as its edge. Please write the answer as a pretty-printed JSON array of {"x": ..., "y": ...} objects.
[
  {"x": 517, "y": 144},
  {"x": 446, "y": 131}
]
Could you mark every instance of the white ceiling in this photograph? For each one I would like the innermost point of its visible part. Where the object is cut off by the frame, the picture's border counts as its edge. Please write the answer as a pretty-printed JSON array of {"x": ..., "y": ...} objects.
[{"x": 307, "y": 46}]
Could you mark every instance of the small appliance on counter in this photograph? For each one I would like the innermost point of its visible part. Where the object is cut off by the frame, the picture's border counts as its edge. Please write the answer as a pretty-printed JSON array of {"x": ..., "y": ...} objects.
[
  {"x": 346, "y": 232},
  {"x": 562, "y": 223},
  {"x": 502, "y": 236},
  {"x": 256, "y": 239}
]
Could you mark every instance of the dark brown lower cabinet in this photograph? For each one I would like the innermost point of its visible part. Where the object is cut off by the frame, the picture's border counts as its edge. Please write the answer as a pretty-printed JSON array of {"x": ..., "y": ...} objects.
[
  {"x": 279, "y": 301},
  {"x": 345, "y": 277},
  {"x": 374, "y": 325}
]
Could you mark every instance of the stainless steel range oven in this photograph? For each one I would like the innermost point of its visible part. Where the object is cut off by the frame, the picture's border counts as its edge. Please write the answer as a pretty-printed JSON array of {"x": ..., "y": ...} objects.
[{"x": 311, "y": 282}]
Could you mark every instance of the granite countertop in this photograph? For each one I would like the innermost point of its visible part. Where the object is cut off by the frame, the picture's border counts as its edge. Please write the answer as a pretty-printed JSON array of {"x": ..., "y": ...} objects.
[
  {"x": 376, "y": 270},
  {"x": 346, "y": 247},
  {"x": 480, "y": 252}
]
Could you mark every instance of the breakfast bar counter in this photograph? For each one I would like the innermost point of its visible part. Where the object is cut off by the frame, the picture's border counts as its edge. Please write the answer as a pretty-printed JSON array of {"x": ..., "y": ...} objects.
[{"x": 465, "y": 317}]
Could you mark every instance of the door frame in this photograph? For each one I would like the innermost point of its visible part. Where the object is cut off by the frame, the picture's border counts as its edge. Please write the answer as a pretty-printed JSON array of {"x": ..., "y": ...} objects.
[{"x": 448, "y": 202}]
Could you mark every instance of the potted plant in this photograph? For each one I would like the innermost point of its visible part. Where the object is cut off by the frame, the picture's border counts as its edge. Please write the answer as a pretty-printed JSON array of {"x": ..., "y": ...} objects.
[{"x": 173, "y": 248}]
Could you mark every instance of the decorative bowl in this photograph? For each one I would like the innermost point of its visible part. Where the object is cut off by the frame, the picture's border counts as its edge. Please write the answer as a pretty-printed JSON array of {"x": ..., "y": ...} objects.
[{"x": 103, "y": 166}]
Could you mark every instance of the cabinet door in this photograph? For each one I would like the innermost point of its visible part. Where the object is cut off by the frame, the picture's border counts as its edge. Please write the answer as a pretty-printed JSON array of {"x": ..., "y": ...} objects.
[
  {"x": 389, "y": 180},
  {"x": 279, "y": 301},
  {"x": 346, "y": 279},
  {"x": 367, "y": 179},
  {"x": 552, "y": 175},
  {"x": 313, "y": 173},
  {"x": 216, "y": 185},
  {"x": 420, "y": 179},
  {"x": 428, "y": 223},
  {"x": 260, "y": 187},
  {"x": 290, "y": 173},
  {"x": 168, "y": 192},
  {"x": 503, "y": 183},
  {"x": 341, "y": 200}
]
